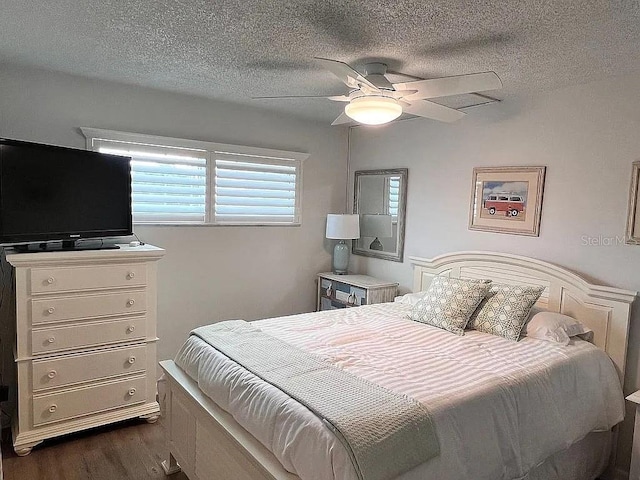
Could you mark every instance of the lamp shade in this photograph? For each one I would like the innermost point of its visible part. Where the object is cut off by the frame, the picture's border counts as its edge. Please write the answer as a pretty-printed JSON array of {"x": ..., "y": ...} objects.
[
  {"x": 373, "y": 110},
  {"x": 343, "y": 227}
]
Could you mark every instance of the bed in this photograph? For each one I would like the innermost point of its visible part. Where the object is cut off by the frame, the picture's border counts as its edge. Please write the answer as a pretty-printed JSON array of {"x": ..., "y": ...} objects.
[{"x": 209, "y": 424}]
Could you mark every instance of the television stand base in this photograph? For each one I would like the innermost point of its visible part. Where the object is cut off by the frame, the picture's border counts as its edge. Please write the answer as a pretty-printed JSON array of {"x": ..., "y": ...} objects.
[{"x": 64, "y": 246}]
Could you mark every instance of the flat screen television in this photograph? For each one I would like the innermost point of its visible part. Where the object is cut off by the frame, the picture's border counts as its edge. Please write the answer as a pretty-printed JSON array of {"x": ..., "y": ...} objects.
[{"x": 52, "y": 193}]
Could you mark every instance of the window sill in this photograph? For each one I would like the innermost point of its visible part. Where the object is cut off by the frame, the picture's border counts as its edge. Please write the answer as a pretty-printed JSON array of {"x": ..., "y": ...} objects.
[{"x": 179, "y": 224}]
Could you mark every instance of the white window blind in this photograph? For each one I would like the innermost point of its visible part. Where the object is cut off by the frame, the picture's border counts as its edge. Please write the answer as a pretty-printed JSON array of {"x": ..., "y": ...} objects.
[
  {"x": 393, "y": 187},
  {"x": 254, "y": 189},
  {"x": 234, "y": 185},
  {"x": 168, "y": 184}
]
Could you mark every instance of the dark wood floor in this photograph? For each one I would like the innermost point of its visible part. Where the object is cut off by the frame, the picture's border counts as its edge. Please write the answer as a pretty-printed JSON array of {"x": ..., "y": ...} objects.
[{"x": 129, "y": 450}]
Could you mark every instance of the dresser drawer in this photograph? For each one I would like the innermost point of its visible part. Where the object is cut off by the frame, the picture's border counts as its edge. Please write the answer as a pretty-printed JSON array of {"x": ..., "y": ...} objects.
[
  {"x": 72, "y": 369},
  {"x": 84, "y": 401},
  {"x": 56, "y": 309},
  {"x": 340, "y": 291},
  {"x": 63, "y": 279},
  {"x": 86, "y": 335},
  {"x": 349, "y": 294}
]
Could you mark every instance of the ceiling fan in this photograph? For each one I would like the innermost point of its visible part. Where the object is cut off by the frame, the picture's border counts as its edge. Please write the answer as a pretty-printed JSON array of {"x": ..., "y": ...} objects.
[{"x": 374, "y": 100}]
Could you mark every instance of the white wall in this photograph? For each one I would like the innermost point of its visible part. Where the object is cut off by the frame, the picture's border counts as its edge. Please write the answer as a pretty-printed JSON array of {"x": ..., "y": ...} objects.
[
  {"x": 587, "y": 136},
  {"x": 208, "y": 273}
]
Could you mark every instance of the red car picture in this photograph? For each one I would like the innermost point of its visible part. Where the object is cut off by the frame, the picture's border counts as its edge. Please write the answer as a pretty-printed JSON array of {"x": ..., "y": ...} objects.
[{"x": 512, "y": 205}]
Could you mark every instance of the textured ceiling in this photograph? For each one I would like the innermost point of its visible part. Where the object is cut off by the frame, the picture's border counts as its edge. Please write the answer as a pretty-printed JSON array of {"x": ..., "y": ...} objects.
[{"x": 232, "y": 50}]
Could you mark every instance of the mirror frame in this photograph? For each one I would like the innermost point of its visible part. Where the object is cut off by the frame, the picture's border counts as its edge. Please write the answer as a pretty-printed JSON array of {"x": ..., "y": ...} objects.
[
  {"x": 403, "y": 173},
  {"x": 633, "y": 235}
]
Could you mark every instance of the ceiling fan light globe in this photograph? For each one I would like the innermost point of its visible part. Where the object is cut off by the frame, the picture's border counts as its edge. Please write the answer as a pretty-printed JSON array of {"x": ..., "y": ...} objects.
[{"x": 373, "y": 110}]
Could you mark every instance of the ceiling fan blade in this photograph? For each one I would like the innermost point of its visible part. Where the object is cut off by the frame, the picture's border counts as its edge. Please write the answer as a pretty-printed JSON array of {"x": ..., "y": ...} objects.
[
  {"x": 342, "y": 119},
  {"x": 400, "y": 94},
  {"x": 344, "y": 72},
  {"x": 340, "y": 98},
  {"x": 441, "y": 87},
  {"x": 288, "y": 97},
  {"x": 380, "y": 81},
  {"x": 425, "y": 108}
]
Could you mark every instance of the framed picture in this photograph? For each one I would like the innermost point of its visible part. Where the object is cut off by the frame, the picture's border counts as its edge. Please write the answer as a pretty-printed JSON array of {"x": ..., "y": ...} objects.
[
  {"x": 507, "y": 200},
  {"x": 633, "y": 222}
]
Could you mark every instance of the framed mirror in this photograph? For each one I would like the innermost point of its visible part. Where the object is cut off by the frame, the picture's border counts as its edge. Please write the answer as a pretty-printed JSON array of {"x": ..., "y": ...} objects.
[
  {"x": 380, "y": 198},
  {"x": 633, "y": 222}
]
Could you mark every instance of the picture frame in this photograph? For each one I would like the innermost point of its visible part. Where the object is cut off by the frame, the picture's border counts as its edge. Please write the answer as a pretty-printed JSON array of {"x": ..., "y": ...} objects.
[
  {"x": 507, "y": 200},
  {"x": 633, "y": 220}
]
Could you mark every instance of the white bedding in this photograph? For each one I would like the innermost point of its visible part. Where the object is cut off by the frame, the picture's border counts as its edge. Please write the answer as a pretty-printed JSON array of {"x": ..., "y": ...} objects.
[{"x": 500, "y": 407}]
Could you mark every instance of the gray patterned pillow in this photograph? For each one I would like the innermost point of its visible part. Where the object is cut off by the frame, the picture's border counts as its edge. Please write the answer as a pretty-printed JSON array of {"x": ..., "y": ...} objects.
[
  {"x": 505, "y": 310},
  {"x": 449, "y": 302}
]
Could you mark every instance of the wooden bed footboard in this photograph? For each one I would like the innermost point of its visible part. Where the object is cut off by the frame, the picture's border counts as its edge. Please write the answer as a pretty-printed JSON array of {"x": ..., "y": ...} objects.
[{"x": 205, "y": 442}]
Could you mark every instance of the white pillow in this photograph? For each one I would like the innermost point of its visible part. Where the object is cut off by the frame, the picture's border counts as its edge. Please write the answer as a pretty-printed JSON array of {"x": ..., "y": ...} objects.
[
  {"x": 410, "y": 298},
  {"x": 554, "y": 327}
]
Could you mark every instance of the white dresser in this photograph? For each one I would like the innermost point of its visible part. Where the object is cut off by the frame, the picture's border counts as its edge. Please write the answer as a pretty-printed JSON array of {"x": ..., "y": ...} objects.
[{"x": 85, "y": 340}]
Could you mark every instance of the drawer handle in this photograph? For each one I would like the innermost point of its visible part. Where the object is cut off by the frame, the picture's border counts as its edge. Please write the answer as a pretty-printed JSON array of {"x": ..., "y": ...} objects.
[
  {"x": 328, "y": 291},
  {"x": 132, "y": 392},
  {"x": 51, "y": 339},
  {"x": 50, "y": 310},
  {"x": 132, "y": 360},
  {"x": 52, "y": 374},
  {"x": 130, "y": 275},
  {"x": 351, "y": 300},
  {"x": 50, "y": 280},
  {"x": 130, "y": 302},
  {"x": 53, "y": 408},
  {"x": 131, "y": 328}
]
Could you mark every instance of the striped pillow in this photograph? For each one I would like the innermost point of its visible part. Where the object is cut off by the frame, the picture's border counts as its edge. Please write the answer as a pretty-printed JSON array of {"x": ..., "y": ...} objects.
[
  {"x": 505, "y": 310},
  {"x": 449, "y": 302}
]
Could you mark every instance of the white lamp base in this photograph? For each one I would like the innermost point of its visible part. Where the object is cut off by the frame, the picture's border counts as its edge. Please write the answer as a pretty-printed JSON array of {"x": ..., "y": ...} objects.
[{"x": 340, "y": 258}]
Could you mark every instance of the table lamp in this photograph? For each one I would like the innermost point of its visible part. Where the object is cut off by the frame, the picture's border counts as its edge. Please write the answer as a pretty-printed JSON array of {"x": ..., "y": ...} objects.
[
  {"x": 342, "y": 227},
  {"x": 376, "y": 226}
]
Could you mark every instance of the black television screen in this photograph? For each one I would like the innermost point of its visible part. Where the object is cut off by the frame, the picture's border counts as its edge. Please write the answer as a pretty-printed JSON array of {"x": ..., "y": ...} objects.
[{"x": 58, "y": 193}]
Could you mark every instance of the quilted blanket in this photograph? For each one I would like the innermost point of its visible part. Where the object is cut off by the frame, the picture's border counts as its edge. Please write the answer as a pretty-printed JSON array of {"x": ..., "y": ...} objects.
[{"x": 385, "y": 433}]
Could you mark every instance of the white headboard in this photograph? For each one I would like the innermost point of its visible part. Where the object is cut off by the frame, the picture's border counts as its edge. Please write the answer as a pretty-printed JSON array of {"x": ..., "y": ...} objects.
[{"x": 606, "y": 310}]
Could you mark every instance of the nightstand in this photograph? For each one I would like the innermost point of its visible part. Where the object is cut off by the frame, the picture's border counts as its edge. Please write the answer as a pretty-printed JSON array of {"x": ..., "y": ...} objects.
[
  {"x": 343, "y": 291},
  {"x": 634, "y": 471}
]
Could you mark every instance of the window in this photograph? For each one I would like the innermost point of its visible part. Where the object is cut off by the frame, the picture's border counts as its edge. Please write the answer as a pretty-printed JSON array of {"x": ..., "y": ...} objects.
[
  {"x": 393, "y": 189},
  {"x": 250, "y": 189},
  {"x": 178, "y": 181}
]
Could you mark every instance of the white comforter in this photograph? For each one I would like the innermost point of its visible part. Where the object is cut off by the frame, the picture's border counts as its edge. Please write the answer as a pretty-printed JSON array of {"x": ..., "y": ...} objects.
[{"x": 500, "y": 407}]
